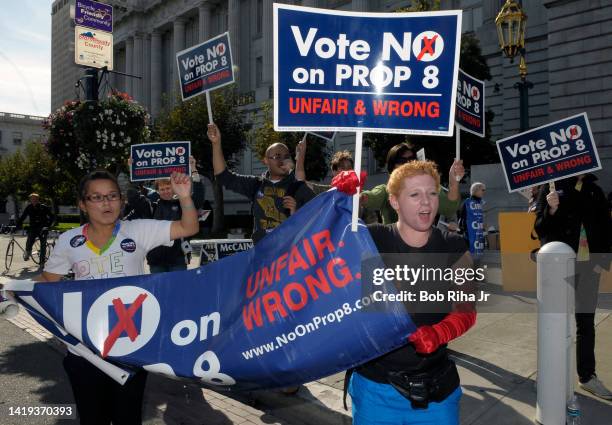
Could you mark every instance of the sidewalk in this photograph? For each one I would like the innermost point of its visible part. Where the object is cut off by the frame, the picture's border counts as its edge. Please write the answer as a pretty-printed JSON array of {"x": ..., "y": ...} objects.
[{"x": 496, "y": 359}]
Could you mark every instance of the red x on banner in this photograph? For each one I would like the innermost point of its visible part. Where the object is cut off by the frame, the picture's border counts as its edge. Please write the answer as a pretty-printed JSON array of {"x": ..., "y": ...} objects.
[
  {"x": 125, "y": 322},
  {"x": 429, "y": 44}
]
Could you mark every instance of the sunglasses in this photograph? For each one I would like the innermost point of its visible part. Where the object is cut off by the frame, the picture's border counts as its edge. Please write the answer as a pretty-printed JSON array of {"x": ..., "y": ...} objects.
[{"x": 279, "y": 157}]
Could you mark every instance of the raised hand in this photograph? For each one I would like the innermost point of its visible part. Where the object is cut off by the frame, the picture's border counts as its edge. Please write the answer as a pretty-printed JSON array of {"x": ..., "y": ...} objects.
[
  {"x": 181, "y": 185},
  {"x": 214, "y": 135}
]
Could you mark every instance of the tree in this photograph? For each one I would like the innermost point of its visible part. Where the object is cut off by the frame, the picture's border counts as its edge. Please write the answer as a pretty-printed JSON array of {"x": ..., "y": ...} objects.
[
  {"x": 475, "y": 150},
  {"x": 34, "y": 170},
  {"x": 189, "y": 121},
  {"x": 317, "y": 154}
]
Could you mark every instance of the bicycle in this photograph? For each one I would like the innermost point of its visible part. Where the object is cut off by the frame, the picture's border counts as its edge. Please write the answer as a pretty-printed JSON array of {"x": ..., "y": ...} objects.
[{"x": 36, "y": 249}]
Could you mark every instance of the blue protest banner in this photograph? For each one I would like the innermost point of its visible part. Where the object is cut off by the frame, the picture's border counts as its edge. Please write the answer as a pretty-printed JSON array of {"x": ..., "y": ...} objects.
[
  {"x": 288, "y": 311},
  {"x": 470, "y": 114},
  {"x": 373, "y": 72},
  {"x": 93, "y": 14},
  {"x": 205, "y": 67},
  {"x": 153, "y": 161},
  {"x": 561, "y": 149}
]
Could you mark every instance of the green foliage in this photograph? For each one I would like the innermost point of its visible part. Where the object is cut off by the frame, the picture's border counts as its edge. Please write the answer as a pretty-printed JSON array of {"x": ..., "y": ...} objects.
[
  {"x": 317, "y": 154},
  {"x": 87, "y": 135},
  {"x": 34, "y": 170},
  {"x": 189, "y": 121}
]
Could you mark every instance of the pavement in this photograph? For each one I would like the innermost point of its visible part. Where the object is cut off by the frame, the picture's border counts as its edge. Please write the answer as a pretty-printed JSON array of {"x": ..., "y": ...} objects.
[{"x": 497, "y": 362}]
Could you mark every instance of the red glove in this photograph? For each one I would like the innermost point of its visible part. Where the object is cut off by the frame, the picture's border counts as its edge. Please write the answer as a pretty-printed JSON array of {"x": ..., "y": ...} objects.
[
  {"x": 348, "y": 182},
  {"x": 427, "y": 339}
]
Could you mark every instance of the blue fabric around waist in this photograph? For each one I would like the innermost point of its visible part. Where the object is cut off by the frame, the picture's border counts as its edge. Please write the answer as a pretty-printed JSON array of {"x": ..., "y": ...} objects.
[{"x": 381, "y": 404}]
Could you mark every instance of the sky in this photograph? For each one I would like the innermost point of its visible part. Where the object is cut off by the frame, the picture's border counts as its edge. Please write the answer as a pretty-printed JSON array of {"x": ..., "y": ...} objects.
[{"x": 25, "y": 57}]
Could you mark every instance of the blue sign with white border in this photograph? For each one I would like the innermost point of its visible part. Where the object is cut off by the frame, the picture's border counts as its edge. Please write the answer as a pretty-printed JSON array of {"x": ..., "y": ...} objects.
[
  {"x": 554, "y": 151},
  {"x": 154, "y": 161},
  {"x": 470, "y": 114},
  {"x": 205, "y": 67},
  {"x": 374, "y": 72}
]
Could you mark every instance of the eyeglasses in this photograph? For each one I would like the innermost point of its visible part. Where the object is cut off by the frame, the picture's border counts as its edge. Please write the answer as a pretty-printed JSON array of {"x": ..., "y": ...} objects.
[
  {"x": 279, "y": 157},
  {"x": 97, "y": 198}
]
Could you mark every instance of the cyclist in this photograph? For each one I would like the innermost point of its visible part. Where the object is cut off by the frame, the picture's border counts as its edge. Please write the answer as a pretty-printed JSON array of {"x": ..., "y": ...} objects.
[{"x": 41, "y": 218}]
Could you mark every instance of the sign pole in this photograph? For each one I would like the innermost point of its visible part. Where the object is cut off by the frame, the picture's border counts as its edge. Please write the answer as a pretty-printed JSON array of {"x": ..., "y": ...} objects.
[
  {"x": 209, "y": 107},
  {"x": 457, "y": 146},
  {"x": 358, "y": 145}
]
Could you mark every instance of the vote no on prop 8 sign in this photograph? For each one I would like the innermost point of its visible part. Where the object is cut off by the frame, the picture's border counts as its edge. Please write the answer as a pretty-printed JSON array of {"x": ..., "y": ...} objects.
[
  {"x": 558, "y": 150},
  {"x": 376, "y": 72}
]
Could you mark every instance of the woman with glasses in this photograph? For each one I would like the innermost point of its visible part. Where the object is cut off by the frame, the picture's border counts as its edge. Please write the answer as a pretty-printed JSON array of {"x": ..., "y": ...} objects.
[
  {"x": 378, "y": 198},
  {"x": 106, "y": 247}
]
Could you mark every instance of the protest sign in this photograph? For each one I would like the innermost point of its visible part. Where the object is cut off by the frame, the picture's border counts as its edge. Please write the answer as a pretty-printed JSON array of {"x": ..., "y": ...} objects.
[
  {"x": 289, "y": 311},
  {"x": 216, "y": 249},
  {"x": 470, "y": 115},
  {"x": 375, "y": 72},
  {"x": 474, "y": 225},
  {"x": 153, "y": 161},
  {"x": 553, "y": 151},
  {"x": 205, "y": 67},
  {"x": 93, "y": 14}
]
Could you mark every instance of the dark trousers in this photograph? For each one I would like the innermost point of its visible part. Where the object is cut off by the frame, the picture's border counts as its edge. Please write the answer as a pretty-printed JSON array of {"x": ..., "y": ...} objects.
[
  {"x": 34, "y": 233},
  {"x": 587, "y": 288},
  {"x": 585, "y": 345},
  {"x": 99, "y": 399}
]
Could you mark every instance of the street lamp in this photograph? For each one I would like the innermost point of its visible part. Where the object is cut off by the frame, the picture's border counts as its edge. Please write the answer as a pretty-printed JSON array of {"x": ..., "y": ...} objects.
[{"x": 511, "y": 22}]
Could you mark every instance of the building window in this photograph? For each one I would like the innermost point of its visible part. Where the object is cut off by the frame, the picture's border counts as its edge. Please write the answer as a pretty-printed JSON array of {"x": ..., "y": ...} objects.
[
  {"x": 17, "y": 138},
  {"x": 258, "y": 71}
]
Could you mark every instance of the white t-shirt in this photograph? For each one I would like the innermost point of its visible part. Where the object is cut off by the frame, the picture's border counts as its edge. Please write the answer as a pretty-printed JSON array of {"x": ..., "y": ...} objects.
[{"x": 123, "y": 257}]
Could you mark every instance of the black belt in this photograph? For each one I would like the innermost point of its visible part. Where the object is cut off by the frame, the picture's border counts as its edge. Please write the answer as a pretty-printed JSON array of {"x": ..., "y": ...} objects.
[{"x": 419, "y": 388}]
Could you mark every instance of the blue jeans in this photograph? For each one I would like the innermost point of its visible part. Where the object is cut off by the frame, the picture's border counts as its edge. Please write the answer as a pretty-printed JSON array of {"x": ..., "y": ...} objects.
[
  {"x": 164, "y": 269},
  {"x": 381, "y": 404}
]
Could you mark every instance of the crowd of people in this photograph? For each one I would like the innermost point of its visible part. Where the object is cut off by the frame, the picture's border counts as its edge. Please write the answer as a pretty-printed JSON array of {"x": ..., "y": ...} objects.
[{"x": 417, "y": 383}]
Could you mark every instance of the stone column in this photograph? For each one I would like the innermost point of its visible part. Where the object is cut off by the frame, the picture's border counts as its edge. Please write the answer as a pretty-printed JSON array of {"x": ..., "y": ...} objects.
[
  {"x": 268, "y": 39},
  {"x": 360, "y": 5},
  {"x": 137, "y": 67},
  {"x": 146, "y": 71},
  {"x": 129, "y": 55},
  {"x": 156, "y": 72},
  {"x": 204, "y": 12},
  {"x": 179, "y": 44},
  {"x": 233, "y": 12}
]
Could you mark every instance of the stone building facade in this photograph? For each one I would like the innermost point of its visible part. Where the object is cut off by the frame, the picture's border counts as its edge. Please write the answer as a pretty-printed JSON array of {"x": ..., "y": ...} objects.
[{"x": 568, "y": 51}]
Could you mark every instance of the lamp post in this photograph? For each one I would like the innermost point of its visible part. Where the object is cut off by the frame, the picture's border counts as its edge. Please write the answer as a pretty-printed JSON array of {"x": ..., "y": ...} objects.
[{"x": 511, "y": 22}]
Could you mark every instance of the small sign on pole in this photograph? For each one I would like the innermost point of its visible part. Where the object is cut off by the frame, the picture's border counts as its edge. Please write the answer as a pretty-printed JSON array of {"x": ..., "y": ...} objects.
[
  {"x": 93, "y": 48},
  {"x": 558, "y": 150},
  {"x": 93, "y": 14},
  {"x": 154, "y": 161}
]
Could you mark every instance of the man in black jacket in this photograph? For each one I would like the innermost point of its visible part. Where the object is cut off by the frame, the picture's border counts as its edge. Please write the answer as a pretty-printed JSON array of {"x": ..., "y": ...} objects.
[
  {"x": 577, "y": 213},
  {"x": 274, "y": 196},
  {"x": 168, "y": 259},
  {"x": 41, "y": 216}
]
